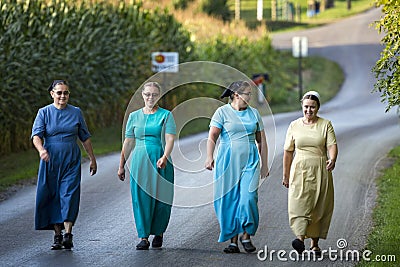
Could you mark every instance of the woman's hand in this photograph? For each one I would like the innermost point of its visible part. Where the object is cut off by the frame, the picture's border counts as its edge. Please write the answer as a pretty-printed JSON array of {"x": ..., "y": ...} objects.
[
  {"x": 264, "y": 172},
  {"x": 93, "y": 167},
  {"x": 209, "y": 164},
  {"x": 162, "y": 162},
  {"x": 44, "y": 155},
  {"x": 121, "y": 173},
  {"x": 285, "y": 182},
  {"x": 330, "y": 164}
]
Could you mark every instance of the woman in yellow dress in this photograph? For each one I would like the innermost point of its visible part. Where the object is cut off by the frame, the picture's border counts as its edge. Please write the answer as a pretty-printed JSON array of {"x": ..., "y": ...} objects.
[{"x": 310, "y": 153}]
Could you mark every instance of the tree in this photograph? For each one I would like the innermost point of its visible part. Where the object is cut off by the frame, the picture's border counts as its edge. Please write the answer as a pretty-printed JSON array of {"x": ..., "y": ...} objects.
[
  {"x": 387, "y": 68},
  {"x": 217, "y": 8}
]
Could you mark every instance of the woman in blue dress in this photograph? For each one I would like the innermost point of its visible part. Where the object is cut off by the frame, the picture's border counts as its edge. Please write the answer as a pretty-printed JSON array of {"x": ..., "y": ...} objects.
[
  {"x": 54, "y": 134},
  {"x": 241, "y": 159},
  {"x": 150, "y": 132}
]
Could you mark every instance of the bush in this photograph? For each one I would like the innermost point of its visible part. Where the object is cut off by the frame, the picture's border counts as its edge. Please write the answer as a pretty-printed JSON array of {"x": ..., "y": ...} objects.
[{"x": 217, "y": 8}]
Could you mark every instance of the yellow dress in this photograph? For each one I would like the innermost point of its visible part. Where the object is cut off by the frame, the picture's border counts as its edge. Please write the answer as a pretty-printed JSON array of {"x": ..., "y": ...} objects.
[{"x": 311, "y": 195}]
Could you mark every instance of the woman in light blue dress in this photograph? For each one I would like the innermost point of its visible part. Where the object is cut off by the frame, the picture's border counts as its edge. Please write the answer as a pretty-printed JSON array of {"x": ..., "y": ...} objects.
[
  {"x": 241, "y": 159},
  {"x": 151, "y": 131},
  {"x": 54, "y": 134}
]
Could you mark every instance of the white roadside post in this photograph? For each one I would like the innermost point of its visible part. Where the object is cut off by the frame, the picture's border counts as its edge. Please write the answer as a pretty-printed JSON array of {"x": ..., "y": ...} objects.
[
  {"x": 300, "y": 50},
  {"x": 259, "y": 10}
]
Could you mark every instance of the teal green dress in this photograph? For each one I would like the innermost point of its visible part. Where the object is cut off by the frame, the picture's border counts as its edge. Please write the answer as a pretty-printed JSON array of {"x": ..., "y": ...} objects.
[
  {"x": 152, "y": 189},
  {"x": 237, "y": 171}
]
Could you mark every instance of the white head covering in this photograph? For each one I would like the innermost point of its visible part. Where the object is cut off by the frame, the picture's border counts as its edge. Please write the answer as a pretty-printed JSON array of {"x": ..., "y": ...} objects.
[{"x": 314, "y": 93}]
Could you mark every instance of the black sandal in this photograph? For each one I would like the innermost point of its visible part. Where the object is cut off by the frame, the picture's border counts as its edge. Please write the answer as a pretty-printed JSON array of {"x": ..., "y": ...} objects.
[
  {"x": 316, "y": 250},
  {"x": 143, "y": 245},
  {"x": 298, "y": 245},
  {"x": 232, "y": 248},
  {"x": 67, "y": 241},
  {"x": 247, "y": 245},
  {"x": 157, "y": 241},
  {"x": 57, "y": 245}
]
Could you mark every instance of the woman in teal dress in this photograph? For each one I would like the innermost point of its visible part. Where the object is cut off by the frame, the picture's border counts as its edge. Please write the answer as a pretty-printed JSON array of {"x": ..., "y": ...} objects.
[
  {"x": 151, "y": 131},
  {"x": 241, "y": 159},
  {"x": 54, "y": 134}
]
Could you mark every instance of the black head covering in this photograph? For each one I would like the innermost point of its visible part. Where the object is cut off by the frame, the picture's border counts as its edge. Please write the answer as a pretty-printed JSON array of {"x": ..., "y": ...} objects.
[
  {"x": 227, "y": 93},
  {"x": 55, "y": 82}
]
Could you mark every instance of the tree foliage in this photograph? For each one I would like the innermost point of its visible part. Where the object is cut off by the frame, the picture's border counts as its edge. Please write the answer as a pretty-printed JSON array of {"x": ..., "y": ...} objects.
[
  {"x": 217, "y": 8},
  {"x": 387, "y": 68}
]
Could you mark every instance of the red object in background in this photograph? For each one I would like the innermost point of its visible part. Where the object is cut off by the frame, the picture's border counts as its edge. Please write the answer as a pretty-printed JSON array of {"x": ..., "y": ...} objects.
[
  {"x": 258, "y": 80},
  {"x": 159, "y": 58}
]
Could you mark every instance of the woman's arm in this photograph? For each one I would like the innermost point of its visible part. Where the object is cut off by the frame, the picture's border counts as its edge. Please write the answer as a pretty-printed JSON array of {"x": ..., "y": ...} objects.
[
  {"x": 38, "y": 143},
  {"x": 333, "y": 152},
  {"x": 287, "y": 162},
  {"x": 125, "y": 152},
  {"x": 169, "y": 145},
  {"x": 213, "y": 135},
  {"x": 87, "y": 145},
  {"x": 261, "y": 141}
]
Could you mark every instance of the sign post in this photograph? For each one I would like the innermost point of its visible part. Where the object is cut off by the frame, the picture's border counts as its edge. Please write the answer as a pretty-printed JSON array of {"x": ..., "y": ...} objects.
[
  {"x": 259, "y": 80},
  {"x": 165, "y": 62},
  {"x": 300, "y": 50}
]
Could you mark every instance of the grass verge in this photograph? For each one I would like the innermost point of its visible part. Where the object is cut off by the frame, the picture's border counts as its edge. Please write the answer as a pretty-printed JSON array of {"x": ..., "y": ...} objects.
[{"x": 384, "y": 239}]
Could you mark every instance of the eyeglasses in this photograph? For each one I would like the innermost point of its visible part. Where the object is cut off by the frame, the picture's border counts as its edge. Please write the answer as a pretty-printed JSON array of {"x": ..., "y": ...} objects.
[
  {"x": 66, "y": 93},
  {"x": 150, "y": 94},
  {"x": 248, "y": 94}
]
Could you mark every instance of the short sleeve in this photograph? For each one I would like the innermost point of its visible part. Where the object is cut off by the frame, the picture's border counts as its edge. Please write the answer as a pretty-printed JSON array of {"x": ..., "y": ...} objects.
[
  {"x": 39, "y": 126},
  {"x": 217, "y": 119},
  {"x": 260, "y": 124},
  {"x": 170, "y": 126},
  {"x": 83, "y": 132},
  {"x": 289, "y": 141},
  {"x": 330, "y": 136},
  {"x": 130, "y": 129}
]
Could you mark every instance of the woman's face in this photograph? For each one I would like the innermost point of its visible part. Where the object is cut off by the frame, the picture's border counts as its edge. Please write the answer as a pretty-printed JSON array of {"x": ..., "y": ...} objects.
[
  {"x": 60, "y": 94},
  {"x": 150, "y": 96},
  {"x": 245, "y": 96},
  {"x": 310, "y": 109}
]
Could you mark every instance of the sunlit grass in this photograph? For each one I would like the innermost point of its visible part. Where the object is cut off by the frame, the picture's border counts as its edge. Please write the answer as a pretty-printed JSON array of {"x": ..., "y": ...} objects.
[{"x": 384, "y": 240}]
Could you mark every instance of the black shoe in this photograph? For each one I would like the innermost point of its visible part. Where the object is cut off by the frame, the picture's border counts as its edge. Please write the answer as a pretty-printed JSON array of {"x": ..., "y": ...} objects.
[
  {"x": 67, "y": 241},
  {"x": 247, "y": 245},
  {"x": 143, "y": 245},
  {"x": 57, "y": 242},
  {"x": 232, "y": 248},
  {"x": 157, "y": 241},
  {"x": 298, "y": 245}
]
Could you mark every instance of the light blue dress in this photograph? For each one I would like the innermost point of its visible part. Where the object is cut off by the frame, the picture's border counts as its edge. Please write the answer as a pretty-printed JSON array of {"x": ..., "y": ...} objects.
[
  {"x": 152, "y": 189},
  {"x": 59, "y": 179},
  {"x": 237, "y": 171}
]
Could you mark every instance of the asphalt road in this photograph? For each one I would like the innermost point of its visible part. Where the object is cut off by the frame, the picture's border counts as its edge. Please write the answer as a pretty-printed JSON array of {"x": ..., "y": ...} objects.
[{"x": 105, "y": 234}]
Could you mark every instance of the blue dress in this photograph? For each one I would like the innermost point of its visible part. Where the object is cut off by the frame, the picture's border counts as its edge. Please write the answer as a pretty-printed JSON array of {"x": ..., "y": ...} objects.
[
  {"x": 59, "y": 179},
  {"x": 237, "y": 171},
  {"x": 152, "y": 189}
]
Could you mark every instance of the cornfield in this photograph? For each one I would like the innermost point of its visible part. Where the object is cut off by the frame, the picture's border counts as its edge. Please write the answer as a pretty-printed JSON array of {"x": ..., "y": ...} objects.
[{"x": 102, "y": 49}]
